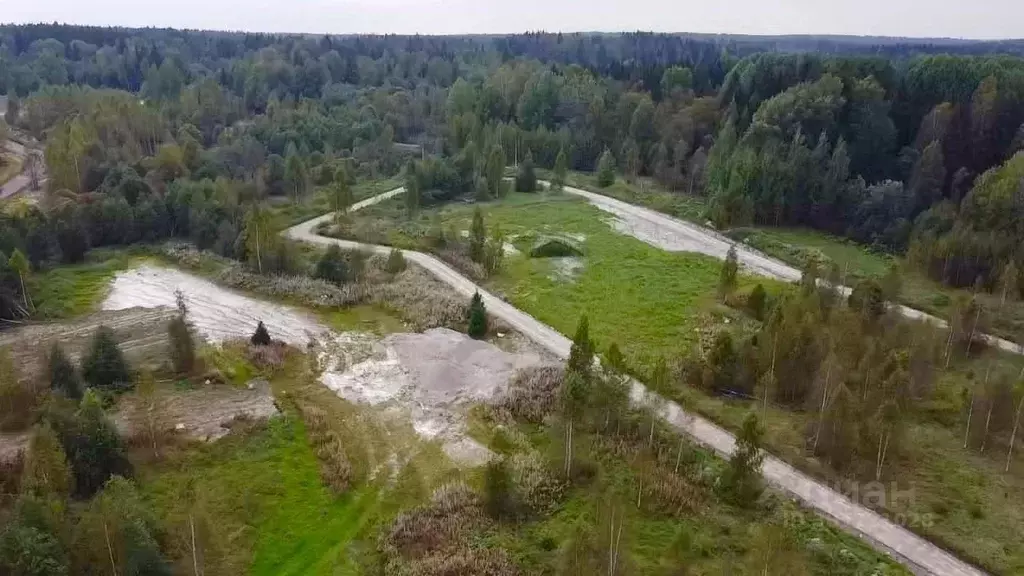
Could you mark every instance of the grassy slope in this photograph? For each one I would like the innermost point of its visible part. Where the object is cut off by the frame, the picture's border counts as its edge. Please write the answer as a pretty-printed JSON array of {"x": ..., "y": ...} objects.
[
  {"x": 290, "y": 213},
  {"x": 69, "y": 291}
]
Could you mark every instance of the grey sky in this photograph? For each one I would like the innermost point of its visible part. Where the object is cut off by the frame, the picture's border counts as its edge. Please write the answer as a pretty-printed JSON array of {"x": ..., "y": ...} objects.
[{"x": 952, "y": 18}]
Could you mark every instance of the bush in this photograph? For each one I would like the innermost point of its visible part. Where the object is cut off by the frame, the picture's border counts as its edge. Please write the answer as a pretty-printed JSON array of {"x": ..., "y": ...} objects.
[
  {"x": 261, "y": 337},
  {"x": 555, "y": 247},
  {"x": 105, "y": 367},
  {"x": 477, "y": 317},
  {"x": 499, "y": 499},
  {"x": 395, "y": 263},
  {"x": 18, "y": 400},
  {"x": 332, "y": 266}
]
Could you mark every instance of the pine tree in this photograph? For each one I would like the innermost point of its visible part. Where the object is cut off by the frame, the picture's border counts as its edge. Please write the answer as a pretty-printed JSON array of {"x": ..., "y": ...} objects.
[
  {"x": 606, "y": 169},
  {"x": 757, "y": 301},
  {"x": 477, "y": 317},
  {"x": 261, "y": 337},
  {"x": 477, "y": 236},
  {"x": 742, "y": 478},
  {"x": 558, "y": 175},
  {"x": 727, "y": 277},
  {"x": 526, "y": 178},
  {"x": 183, "y": 346},
  {"x": 105, "y": 367},
  {"x": 581, "y": 354},
  {"x": 63, "y": 374},
  {"x": 92, "y": 444}
]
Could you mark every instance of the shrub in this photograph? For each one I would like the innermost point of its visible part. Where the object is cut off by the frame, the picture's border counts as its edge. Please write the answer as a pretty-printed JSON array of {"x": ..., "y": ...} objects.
[
  {"x": 395, "y": 263},
  {"x": 477, "y": 317},
  {"x": 332, "y": 266},
  {"x": 335, "y": 469},
  {"x": 261, "y": 337},
  {"x": 105, "y": 367},
  {"x": 18, "y": 400},
  {"x": 553, "y": 247},
  {"x": 92, "y": 444},
  {"x": 533, "y": 393}
]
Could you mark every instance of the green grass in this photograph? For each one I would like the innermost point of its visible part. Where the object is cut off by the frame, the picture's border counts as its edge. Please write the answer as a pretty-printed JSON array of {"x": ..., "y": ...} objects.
[
  {"x": 645, "y": 299},
  {"x": 264, "y": 488},
  {"x": 69, "y": 291}
]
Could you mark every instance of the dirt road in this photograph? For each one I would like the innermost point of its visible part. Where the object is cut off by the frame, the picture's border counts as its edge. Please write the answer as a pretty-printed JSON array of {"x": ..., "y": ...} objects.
[{"x": 919, "y": 555}]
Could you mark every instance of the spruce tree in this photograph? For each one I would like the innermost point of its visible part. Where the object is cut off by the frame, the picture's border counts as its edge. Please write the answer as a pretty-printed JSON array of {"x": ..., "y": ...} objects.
[
  {"x": 606, "y": 169},
  {"x": 581, "y": 355},
  {"x": 183, "y": 346},
  {"x": 64, "y": 376},
  {"x": 757, "y": 301},
  {"x": 742, "y": 478},
  {"x": 261, "y": 337},
  {"x": 105, "y": 367},
  {"x": 477, "y": 317},
  {"x": 332, "y": 266}
]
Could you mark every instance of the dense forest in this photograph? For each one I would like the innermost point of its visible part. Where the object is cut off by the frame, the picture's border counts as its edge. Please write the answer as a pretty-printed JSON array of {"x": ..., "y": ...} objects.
[{"x": 152, "y": 133}]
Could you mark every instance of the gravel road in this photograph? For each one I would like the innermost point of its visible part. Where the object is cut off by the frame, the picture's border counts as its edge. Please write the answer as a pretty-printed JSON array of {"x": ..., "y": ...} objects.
[
  {"x": 916, "y": 553},
  {"x": 676, "y": 235}
]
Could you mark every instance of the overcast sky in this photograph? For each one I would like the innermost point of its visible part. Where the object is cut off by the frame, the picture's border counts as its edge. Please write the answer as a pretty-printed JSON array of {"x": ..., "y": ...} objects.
[{"x": 942, "y": 18}]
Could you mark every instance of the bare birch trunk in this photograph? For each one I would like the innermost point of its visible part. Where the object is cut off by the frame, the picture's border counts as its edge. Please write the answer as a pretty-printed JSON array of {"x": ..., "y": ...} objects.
[{"x": 1013, "y": 435}]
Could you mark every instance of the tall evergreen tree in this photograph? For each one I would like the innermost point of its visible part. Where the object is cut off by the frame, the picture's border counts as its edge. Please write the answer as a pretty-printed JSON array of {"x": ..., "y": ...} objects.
[
  {"x": 105, "y": 367},
  {"x": 526, "y": 178},
  {"x": 581, "y": 354},
  {"x": 558, "y": 175},
  {"x": 742, "y": 478},
  {"x": 477, "y": 317}
]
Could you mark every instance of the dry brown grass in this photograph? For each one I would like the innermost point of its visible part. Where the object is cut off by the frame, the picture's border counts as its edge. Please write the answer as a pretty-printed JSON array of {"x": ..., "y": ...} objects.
[
  {"x": 335, "y": 469},
  {"x": 422, "y": 300},
  {"x": 532, "y": 393},
  {"x": 434, "y": 539}
]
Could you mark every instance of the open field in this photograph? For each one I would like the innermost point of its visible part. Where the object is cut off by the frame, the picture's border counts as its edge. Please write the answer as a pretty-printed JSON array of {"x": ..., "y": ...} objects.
[{"x": 646, "y": 300}]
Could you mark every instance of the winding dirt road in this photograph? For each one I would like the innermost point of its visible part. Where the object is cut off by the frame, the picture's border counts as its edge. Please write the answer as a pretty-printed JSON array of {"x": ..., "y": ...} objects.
[{"x": 914, "y": 552}]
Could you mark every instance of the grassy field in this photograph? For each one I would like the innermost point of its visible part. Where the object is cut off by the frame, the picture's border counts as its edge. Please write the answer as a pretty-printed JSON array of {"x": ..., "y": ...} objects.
[
  {"x": 646, "y": 300},
  {"x": 794, "y": 246},
  {"x": 69, "y": 291}
]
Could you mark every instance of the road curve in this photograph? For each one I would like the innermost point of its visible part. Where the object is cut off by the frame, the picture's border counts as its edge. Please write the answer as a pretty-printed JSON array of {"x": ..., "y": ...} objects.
[
  {"x": 914, "y": 552},
  {"x": 674, "y": 235}
]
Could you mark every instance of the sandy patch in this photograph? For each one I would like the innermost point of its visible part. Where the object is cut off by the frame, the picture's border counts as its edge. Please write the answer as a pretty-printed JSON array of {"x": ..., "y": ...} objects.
[
  {"x": 567, "y": 268},
  {"x": 216, "y": 313}
]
